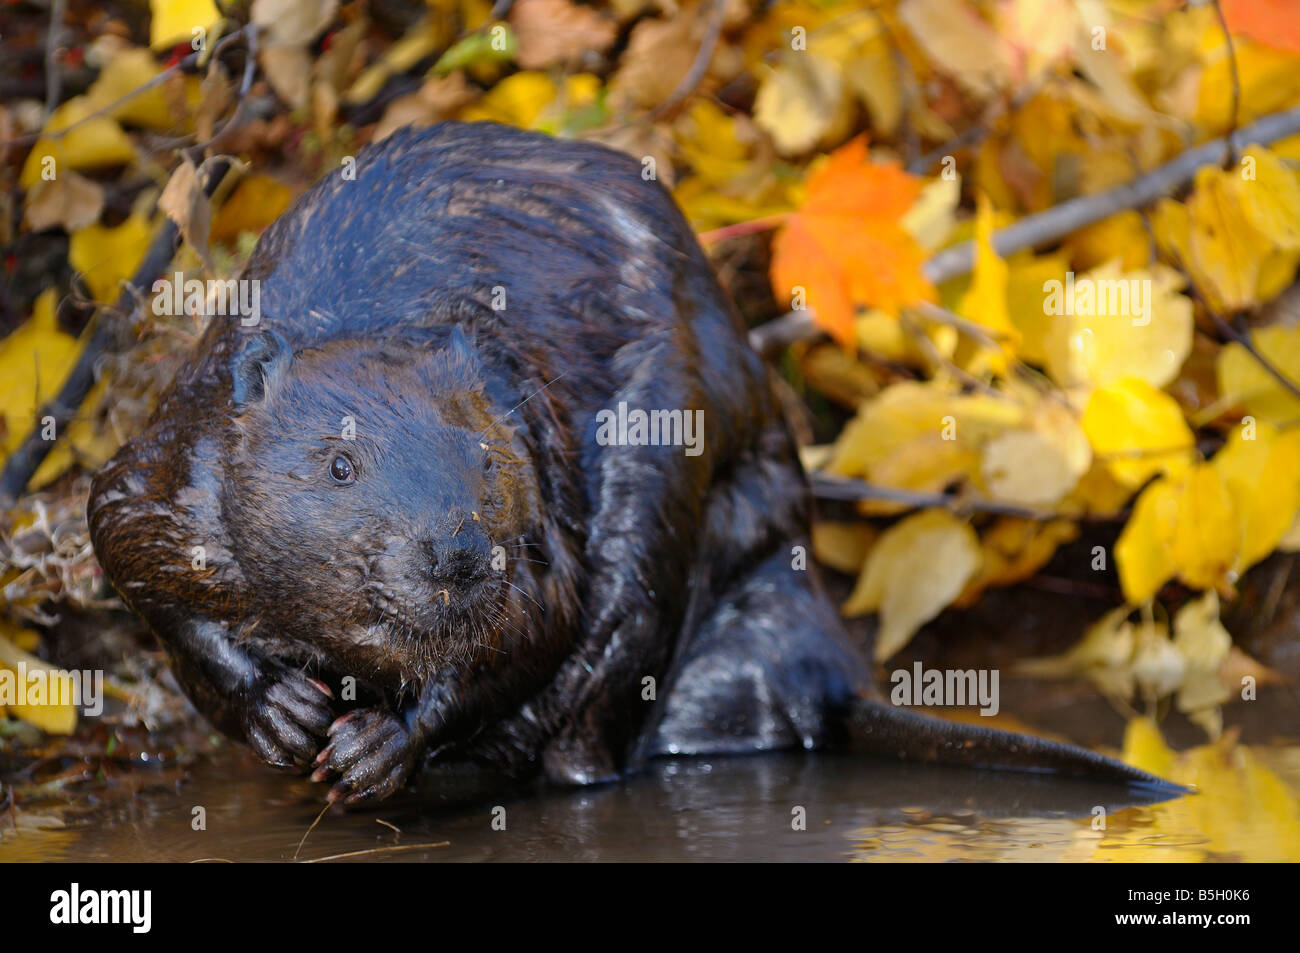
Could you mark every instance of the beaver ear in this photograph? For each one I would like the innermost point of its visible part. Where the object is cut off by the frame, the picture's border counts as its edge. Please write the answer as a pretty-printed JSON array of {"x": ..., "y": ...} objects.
[
  {"x": 259, "y": 367},
  {"x": 464, "y": 355}
]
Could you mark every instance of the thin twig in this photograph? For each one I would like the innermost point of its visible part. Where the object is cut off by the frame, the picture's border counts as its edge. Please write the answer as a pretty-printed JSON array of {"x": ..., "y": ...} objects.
[
  {"x": 1236, "y": 83},
  {"x": 749, "y": 227},
  {"x": 53, "y": 75},
  {"x": 922, "y": 340},
  {"x": 940, "y": 315},
  {"x": 376, "y": 850},
  {"x": 1059, "y": 221},
  {"x": 695, "y": 75},
  {"x": 187, "y": 63},
  {"x": 23, "y": 462},
  {"x": 311, "y": 828},
  {"x": 829, "y": 487}
]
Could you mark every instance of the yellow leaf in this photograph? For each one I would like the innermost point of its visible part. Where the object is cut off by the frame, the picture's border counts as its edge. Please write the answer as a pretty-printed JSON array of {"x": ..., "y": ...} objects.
[
  {"x": 1204, "y": 539},
  {"x": 256, "y": 202},
  {"x": 918, "y": 567},
  {"x": 920, "y": 436},
  {"x": 1242, "y": 379},
  {"x": 1097, "y": 492},
  {"x": 1225, "y": 250},
  {"x": 1260, "y": 474},
  {"x": 931, "y": 219},
  {"x": 986, "y": 301},
  {"x": 709, "y": 139},
  {"x": 1142, "y": 552},
  {"x": 96, "y": 143},
  {"x": 51, "y": 717},
  {"x": 1013, "y": 549},
  {"x": 960, "y": 43},
  {"x": 108, "y": 256},
  {"x": 872, "y": 74},
  {"x": 34, "y": 360},
  {"x": 1027, "y": 275},
  {"x": 1138, "y": 430},
  {"x": 174, "y": 21},
  {"x": 1039, "y": 466},
  {"x": 1123, "y": 236},
  {"x": 1270, "y": 198},
  {"x": 798, "y": 101},
  {"x": 531, "y": 100},
  {"x": 1117, "y": 325},
  {"x": 1204, "y": 644},
  {"x": 842, "y": 546},
  {"x": 1104, "y": 655},
  {"x": 126, "y": 72},
  {"x": 1144, "y": 748},
  {"x": 83, "y": 441}
]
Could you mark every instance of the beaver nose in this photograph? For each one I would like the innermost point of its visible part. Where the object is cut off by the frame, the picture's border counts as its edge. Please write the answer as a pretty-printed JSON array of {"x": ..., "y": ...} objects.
[{"x": 460, "y": 559}]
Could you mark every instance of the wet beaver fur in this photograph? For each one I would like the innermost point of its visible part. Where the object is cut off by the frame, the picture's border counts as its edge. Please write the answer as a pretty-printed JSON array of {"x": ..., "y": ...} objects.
[{"x": 396, "y": 480}]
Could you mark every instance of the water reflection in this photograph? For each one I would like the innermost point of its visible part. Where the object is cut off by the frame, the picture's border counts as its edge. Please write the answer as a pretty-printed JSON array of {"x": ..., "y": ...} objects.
[{"x": 784, "y": 807}]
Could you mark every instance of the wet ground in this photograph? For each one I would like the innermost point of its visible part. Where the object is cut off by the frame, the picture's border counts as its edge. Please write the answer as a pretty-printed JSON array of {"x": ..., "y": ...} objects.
[{"x": 853, "y": 808}]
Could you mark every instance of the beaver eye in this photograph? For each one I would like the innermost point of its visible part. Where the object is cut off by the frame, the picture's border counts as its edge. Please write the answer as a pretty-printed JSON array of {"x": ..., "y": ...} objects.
[{"x": 341, "y": 470}]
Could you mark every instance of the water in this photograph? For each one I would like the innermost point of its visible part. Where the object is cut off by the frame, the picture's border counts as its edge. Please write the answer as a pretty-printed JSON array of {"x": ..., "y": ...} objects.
[{"x": 734, "y": 809}]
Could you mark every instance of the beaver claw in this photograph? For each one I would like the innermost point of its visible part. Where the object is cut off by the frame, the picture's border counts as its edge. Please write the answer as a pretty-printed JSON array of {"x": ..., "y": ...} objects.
[
  {"x": 371, "y": 753},
  {"x": 285, "y": 715}
]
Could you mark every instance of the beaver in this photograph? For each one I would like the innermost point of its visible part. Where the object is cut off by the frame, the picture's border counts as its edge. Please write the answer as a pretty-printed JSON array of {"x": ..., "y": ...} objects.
[{"x": 494, "y": 475}]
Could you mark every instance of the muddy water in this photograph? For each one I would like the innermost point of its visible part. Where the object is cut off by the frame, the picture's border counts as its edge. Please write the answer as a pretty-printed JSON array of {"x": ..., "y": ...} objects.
[{"x": 716, "y": 809}]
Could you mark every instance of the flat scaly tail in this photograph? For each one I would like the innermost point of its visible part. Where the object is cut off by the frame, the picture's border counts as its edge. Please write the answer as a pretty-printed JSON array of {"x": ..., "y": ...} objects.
[{"x": 889, "y": 730}]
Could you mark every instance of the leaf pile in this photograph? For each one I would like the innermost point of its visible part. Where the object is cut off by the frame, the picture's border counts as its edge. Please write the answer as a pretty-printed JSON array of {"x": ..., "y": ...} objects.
[{"x": 1137, "y": 369}]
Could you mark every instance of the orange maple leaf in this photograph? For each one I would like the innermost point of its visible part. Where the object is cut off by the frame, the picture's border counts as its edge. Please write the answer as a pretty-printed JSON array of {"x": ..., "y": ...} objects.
[
  {"x": 845, "y": 245},
  {"x": 1274, "y": 23}
]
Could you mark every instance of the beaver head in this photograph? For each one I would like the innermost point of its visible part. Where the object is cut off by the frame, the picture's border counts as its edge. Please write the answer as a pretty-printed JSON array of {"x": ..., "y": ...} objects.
[{"x": 376, "y": 499}]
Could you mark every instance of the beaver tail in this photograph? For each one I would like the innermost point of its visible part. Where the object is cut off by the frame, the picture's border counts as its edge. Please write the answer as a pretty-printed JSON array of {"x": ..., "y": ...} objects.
[{"x": 888, "y": 730}]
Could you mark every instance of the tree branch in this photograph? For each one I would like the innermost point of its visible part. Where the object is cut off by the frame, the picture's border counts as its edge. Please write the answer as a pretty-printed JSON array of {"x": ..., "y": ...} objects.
[
  {"x": 23, "y": 462},
  {"x": 1059, "y": 221}
]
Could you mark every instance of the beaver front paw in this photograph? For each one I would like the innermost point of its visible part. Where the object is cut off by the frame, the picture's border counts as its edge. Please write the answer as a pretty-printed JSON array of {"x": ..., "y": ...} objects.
[
  {"x": 284, "y": 715},
  {"x": 371, "y": 753}
]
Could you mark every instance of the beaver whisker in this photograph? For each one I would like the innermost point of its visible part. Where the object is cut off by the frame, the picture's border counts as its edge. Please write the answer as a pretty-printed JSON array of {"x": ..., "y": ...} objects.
[{"x": 483, "y": 433}]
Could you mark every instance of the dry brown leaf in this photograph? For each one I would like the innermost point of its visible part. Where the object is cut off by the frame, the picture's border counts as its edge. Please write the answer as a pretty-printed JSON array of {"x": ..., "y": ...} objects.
[
  {"x": 558, "y": 33},
  {"x": 185, "y": 203},
  {"x": 293, "y": 22},
  {"x": 288, "y": 68},
  {"x": 658, "y": 56},
  {"x": 438, "y": 99},
  {"x": 70, "y": 201}
]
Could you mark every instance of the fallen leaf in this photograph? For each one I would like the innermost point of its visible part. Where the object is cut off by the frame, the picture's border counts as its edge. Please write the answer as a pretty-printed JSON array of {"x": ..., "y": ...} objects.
[
  {"x": 1260, "y": 476},
  {"x": 1118, "y": 324},
  {"x": 69, "y": 202},
  {"x": 1242, "y": 379},
  {"x": 558, "y": 33},
  {"x": 293, "y": 22},
  {"x": 918, "y": 566},
  {"x": 185, "y": 203},
  {"x": 34, "y": 360},
  {"x": 798, "y": 101},
  {"x": 106, "y": 256},
  {"x": 845, "y": 244},
  {"x": 1137, "y": 430},
  {"x": 174, "y": 21}
]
